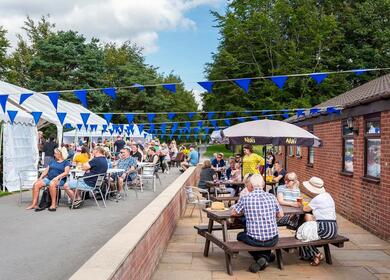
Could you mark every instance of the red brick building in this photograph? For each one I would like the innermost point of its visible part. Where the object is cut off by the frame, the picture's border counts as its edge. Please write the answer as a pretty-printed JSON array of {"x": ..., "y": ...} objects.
[{"x": 354, "y": 160}]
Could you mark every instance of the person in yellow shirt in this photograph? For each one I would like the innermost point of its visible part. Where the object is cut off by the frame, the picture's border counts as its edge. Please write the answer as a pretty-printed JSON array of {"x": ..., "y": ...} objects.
[
  {"x": 251, "y": 161},
  {"x": 82, "y": 157}
]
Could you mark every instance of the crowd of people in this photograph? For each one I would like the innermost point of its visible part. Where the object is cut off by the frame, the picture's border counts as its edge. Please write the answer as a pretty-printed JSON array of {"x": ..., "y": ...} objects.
[
  {"x": 122, "y": 154},
  {"x": 261, "y": 212}
]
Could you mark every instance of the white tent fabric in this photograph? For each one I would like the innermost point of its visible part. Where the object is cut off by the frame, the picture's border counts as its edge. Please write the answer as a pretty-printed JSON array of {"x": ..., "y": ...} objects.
[{"x": 22, "y": 117}]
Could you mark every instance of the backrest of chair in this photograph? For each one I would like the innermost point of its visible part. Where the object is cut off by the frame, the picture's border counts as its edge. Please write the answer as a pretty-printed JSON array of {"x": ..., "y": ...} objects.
[
  {"x": 100, "y": 180},
  {"x": 28, "y": 178},
  {"x": 180, "y": 156},
  {"x": 148, "y": 170}
]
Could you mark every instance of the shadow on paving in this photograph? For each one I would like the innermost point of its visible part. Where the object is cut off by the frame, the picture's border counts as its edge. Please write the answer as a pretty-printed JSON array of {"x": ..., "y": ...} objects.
[{"x": 53, "y": 245}]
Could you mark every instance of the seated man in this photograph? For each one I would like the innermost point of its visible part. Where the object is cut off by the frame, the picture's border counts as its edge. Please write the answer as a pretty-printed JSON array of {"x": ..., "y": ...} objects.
[
  {"x": 192, "y": 159},
  {"x": 128, "y": 163},
  {"x": 97, "y": 165},
  {"x": 218, "y": 165},
  {"x": 260, "y": 209},
  {"x": 279, "y": 175}
]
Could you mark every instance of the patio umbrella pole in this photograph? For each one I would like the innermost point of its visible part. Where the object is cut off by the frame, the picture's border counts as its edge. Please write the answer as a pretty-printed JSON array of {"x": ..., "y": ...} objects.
[{"x": 265, "y": 166}]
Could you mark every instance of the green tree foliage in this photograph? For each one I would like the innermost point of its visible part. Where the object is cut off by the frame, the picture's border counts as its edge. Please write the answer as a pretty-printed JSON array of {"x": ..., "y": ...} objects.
[
  {"x": 4, "y": 44},
  {"x": 275, "y": 37}
]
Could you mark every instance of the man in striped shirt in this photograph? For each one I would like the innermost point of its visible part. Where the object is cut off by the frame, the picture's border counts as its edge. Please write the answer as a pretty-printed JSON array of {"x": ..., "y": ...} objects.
[{"x": 260, "y": 209}]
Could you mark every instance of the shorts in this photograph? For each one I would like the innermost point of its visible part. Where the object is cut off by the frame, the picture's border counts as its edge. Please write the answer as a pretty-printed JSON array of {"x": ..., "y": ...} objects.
[
  {"x": 47, "y": 182},
  {"x": 80, "y": 184}
]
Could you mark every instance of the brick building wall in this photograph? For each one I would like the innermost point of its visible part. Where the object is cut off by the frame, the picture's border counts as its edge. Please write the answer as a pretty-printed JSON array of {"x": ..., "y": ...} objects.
[{"x": 364, "y": 203}]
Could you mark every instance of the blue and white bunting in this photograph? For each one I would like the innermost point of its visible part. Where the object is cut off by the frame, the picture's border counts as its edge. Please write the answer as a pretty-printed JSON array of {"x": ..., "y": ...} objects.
[
  {"x": 279, "y": 81},
  {"x": 53, "y": 96},
  {"x": 36, "y": 116},
  {"x": 130, "y": 118},
  {"x": 318, "y": 77},
  {"x": 110, "y": 92},
  {"x": 170, "y": 87},
  {"x": 12, "y": 115},
  {"x": 359, "y": 72},
  {"x": 81, "y": 94},
  {"x": 210, "y": 115},
  {"x": 207, "y": 85},
  {"x": 79, "y": 126},
  {"x": 191, "y": 115},
  {"x": 243, "y": 83},
  {"x": 61, "y": 117},
  {"x": 85, "y": 117},
  {"x": 300, "y": 113},
  {"x": 171, "y": 116},
  {"x": 24, "y": 97},
  {"x": 107, "y": 117},
  {"x": 151, "y": 116},
  {"x": 3, "y": 101},
  {"x": 314, "y": 111}
]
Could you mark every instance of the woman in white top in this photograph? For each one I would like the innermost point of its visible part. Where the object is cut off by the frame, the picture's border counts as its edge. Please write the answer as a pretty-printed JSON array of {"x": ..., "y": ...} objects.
[{"x": 324, "y": 213}]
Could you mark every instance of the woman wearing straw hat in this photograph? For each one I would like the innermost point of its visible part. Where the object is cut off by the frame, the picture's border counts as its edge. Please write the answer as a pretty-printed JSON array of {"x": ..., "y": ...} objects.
[
  {"x": 324, "y": 213},
  {"x": 53, "y": 176}
]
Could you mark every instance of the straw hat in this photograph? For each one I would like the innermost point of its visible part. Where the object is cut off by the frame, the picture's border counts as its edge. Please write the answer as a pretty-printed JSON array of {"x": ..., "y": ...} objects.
[{"x": 315, "y": 185}]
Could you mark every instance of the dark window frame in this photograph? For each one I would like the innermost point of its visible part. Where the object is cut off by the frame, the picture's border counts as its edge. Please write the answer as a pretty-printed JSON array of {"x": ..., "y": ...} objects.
[
  {"x": 310, "y": 128},
  {"x": 367, "y": 136},
  {"x": 344, "y": 138}
]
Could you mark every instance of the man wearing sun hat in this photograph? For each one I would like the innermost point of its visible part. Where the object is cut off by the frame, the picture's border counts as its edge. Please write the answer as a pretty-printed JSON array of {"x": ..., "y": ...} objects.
[{"x": 324, "y": 213}]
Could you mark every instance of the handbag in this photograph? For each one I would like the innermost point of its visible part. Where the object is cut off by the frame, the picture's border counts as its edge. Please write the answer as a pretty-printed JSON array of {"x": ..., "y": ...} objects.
[{"x": 45, "y": 201}]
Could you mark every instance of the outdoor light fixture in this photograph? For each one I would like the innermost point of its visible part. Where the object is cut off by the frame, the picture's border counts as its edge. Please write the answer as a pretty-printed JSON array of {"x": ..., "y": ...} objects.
[{"x": 351, "y": 123}]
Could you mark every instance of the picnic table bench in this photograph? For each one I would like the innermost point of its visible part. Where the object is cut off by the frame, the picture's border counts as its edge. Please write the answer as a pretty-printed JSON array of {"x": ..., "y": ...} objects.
[{"x": 232, "y": 248}]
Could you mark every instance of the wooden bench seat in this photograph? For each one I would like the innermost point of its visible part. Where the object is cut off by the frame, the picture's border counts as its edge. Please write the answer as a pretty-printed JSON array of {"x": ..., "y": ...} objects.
[
  {"x": 225, "y": 198},
  {"x": 202, "y": 229},
  {"x": 232, "y": 248}
]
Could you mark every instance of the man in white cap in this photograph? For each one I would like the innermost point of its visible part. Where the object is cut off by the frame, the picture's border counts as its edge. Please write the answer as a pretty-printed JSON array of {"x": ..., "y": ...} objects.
[{"x": 324, "y": 213}]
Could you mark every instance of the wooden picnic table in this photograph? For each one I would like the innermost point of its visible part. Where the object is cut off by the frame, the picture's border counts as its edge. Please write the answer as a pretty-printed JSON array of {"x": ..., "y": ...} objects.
[{"x": 217, "y": 184}]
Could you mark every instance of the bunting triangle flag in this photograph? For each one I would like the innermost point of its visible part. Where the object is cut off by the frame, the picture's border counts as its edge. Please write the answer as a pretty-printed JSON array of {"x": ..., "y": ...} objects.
[
  {"x": 61, "y": 117},
  {"x": 170, "y": 87},
  {"x": 23, "y": 97},
  {"x": 104, "y": 127},
  {"x": 241, "y": 119},
  {"x": 171, "y": 116},
  {"x": 200, "y": 124},
  {"x": 227, "y": 122},
  {"x": 300, "y": 113},
  {"x": 85, "y": 117},
  {"x": 93, "y": 127},
  {"x": 36, "y": 116},
  {"x": 207, "y": 86},
  {"x": 206, "y": 130},
  {"x": 53, "y": 96},
  {"x": 111, "y": 131},
  {"x": 68, "y": 126},
  {"x": 318, "y": 77},
  {"x": 151, "y": 116},
  {"x": 204, "y": 136},
  {"x": 210, "y": 115},
  {"x": 174, "y": 127},
  {"x": 3, "y": 101},
  {"x": 285, "y": 114},
  {"x": 12, "y": 115},
  {"x": 81, "y": 94},
  {"x": 140, "y": 128},
  {"x": 243, "y": 83},
  {"x": 191, "y": 115},
  {"x": 110, "y": 92},
  {"x": 138, "y": 86},
  {"x": 228, "y": 114},
  {"x": 79, "y": 126},
  {"x": 359, "y": 72},
  {"x": 130, "y": 118},
  {"x": 213, "y": 123},
  {"x": 314, "y": 111},
  {"x": 279, "y": 81},
  {"x": 107, "y": 117}
]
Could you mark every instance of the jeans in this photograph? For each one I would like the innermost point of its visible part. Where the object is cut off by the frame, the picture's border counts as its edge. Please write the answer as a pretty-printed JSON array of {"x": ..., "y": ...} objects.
[{"x": 244, "y": 237}]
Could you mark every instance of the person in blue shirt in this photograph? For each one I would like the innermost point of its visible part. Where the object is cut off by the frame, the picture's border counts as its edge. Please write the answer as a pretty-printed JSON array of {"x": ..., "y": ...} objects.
[
  {"x": 218, "y": 165},
  {"x": 53, "y": 176},
  {"x": 192, "y": 159}
]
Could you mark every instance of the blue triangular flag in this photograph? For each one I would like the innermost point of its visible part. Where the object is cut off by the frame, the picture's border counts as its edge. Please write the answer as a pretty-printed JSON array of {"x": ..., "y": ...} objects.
[
  {"x": 333, "y": 110},
  {"x": 187, "y": 137},
  {"x": 138, "y": 86},
  {"x": 314, "y": 111},
  {"x": 108, "y": 117},
  {"x": 171, "y": 115},
  {"x": 318, "y": 77},
  {"x": 151, "y": 116},
  {"x": 228, "y": 114},
  {"x": 3, "y": 101},
  {"x": 243, "y": 83},
  {"x": 130, "y": 118},
  {"x": 53, "y": 96},
  {"x": 12, "y": 115},
  {"x": 206, "y": 130},
  {"x": 81, "y": 94},
  {"x": 200, "y": 123},
  {"x": 265, "y": 112},
  {"x": 359, "y": 72},
  {"x": 279, "y": 81},
  {"x": 151, "y": 129},
  {"x": 196, "y": 130},
  {"x": 85, "y": 117},
  {"x": 23, "y": 97},
  {"x": 110, "y": 92},
  {"x": 36, "y": 116},
  {"x": 170, "y": 87},
  {"x": 174, "y": 127},
  {"x": 227, "y": 122},
  {"x": 210, "y": 115},
  {"x": 213, "y": 123},
  {"x": 68, "y": 126},
  {"x": 61, "y": 116},
  {"x": 241, "y": 119},
  {"x": 86, "y": 127},
  {"x": 207, "y": 86},
  {"x": 285, "y": 114},
  {"x": 93, "y": 127},
  {"x": 300, "y": 112},
  {"x": 104, "y": 126},
  {"x": 79, "y": 126},
  {"x": 191, "y": 115},
  {"x": 255, "y": 118},
  {"x": 111, "y": 131},
  {"x": 140, "y": 128},
  {"x": 204, "y": 136}
]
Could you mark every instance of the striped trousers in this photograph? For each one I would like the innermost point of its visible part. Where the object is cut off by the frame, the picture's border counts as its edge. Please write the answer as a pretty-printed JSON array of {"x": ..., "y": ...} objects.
[{"x": 327, "y": 229}]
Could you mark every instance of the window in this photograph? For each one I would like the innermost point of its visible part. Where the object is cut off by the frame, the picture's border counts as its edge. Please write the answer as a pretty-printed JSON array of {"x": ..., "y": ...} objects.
[
  {"x": 310, "y": 150},
  {"x": 291, "y": 151},
  {"x": 348, "y": 144},
  {"x": 372, "y": 137},
  {"x": 298, "y": 151}
]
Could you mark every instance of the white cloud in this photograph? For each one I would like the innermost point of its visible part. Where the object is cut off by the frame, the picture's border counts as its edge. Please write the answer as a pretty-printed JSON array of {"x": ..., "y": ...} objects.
[{"x": 139, "y": 21}]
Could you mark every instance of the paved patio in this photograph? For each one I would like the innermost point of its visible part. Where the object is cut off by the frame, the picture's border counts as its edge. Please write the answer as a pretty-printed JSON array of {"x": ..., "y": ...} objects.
[
  {"x": 365, "y": 257},
  {"x": 53, "y": 245}
]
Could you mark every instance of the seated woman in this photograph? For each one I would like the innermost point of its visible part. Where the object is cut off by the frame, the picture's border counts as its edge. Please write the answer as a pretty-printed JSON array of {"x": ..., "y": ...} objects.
[
  {"x": 233, "y": 173},
  {"x": 206, "y": 174},
  {"x": 53, "y": 176},
  {"x": 324, "y": 213},
  {"x": 82, "y": 156},
  {"x": 287, "y": 195}
]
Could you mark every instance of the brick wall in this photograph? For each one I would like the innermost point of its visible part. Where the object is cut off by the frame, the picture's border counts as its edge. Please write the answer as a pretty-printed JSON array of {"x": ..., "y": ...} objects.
[{"x": 362, "y": 202}]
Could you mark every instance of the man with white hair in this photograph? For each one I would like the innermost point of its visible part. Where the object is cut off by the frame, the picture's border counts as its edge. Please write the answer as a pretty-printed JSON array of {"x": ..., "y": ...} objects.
[{"x": 260, "y": 209}]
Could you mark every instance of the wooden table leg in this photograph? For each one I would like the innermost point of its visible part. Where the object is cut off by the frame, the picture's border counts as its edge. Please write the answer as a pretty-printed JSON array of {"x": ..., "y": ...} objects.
[
  {"x": 328, "y": 256},
  {"x": 207, "y": 244},
  {"x": 279, "y": 258},
  {"x": 227, "y": 255}
]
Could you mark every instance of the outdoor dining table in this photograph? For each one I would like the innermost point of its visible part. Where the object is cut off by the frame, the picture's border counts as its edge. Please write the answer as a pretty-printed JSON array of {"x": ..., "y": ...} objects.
[
  {"x": 216, "y": 184},
  {"x": 223, "y": 217}
]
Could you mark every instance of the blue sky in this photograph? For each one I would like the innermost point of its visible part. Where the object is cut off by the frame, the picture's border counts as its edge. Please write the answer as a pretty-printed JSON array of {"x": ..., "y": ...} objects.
[{"x": 185, "y": 52}]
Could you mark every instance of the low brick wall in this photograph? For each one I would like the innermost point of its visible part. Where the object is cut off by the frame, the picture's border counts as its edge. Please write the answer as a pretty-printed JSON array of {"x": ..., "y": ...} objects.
[{"x": 134, "y": 252}]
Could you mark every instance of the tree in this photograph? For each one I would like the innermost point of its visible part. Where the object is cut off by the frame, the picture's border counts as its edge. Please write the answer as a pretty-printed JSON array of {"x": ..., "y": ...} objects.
[
  {"x": 274, "y": 37},
  {"x": 4, "y": 45}
]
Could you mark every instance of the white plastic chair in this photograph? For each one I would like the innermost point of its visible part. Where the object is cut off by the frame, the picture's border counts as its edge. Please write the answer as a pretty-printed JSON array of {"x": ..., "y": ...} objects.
[
  {"x": 132, "y": 184},
  {"x": 27, "y": 178},
  {"x": 91, "y": 190},
  {"x": 194, "y": 197},
  {"x": 148, "y": 173}
]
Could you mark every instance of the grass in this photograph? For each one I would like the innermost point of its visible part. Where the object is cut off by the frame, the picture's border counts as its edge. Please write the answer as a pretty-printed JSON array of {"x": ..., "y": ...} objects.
[
  {"x": 221, "y": 148},
  {"x": 4, "y": 193}
]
